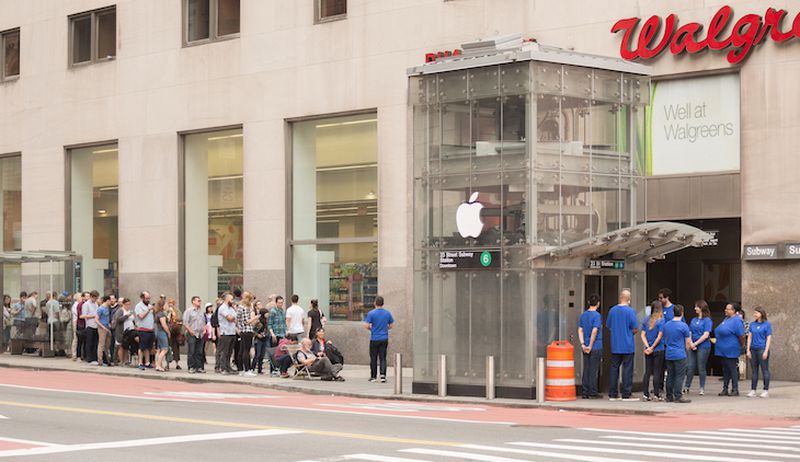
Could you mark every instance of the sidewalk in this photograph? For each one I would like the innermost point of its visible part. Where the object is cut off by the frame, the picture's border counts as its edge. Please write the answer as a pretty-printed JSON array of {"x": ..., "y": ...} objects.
[{"x": 783, "y": 403}]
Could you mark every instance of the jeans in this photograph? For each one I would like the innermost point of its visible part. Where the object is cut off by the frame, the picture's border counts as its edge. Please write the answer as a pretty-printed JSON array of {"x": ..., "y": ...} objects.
[
  {"x": 377, "y": 353},
  {"x": 90, "y": 344},
  {"x": 730, "y": 374},
  {"x": 757, "y": 361},
  {"x": 244, "y": 351},
  {"x": 653, "y": 370},
  {"x": 284, "y": 363},
  {"x": 676, "y": 372},
  {"x": 626, "y": 360},
  {"x": 697, "y": 360},
  {"x": 591, "y": 372},
  {"x": 261, "y": 348},
  {"x": 225, "y": 345},
  {"x": 195, "y": 355}
]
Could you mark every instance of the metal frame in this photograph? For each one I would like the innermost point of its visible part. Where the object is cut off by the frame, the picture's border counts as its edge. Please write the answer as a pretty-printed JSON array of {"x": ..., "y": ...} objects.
[
  {"x": 94, "y": 40},
  {"x": 3, "y": 34},
  {"x": 213, "y": 25},
  {"x": 318, "y": 19}
]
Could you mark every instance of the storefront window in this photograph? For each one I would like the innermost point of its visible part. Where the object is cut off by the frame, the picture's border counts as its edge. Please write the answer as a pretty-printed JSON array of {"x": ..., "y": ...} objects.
[
  {"x": 335, "y": 214},
  {"x": 94, "y": 193},
  {"x": 213, "y": 211},
  {"x": 11, "y": 229}
]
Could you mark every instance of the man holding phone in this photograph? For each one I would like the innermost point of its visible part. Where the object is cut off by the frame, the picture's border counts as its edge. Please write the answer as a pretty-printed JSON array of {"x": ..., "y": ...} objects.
[{"x": 144, "y": 328}]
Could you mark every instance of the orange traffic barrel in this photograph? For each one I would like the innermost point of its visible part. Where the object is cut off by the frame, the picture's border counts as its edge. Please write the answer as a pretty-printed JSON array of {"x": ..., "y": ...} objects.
[{"x": 560, "y": 375}]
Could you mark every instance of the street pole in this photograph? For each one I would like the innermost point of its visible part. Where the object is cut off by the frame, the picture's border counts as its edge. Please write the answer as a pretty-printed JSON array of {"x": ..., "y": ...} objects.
[
  {"x": 490, "y": 377},
  {"x": 442, "y": 375},
  {"x": 540, "y": 380},
  {"x": 398, "y": 374}
]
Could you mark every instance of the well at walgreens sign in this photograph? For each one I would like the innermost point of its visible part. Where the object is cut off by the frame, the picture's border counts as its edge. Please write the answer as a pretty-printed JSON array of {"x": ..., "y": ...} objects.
[{"x": 722, "y": 33}]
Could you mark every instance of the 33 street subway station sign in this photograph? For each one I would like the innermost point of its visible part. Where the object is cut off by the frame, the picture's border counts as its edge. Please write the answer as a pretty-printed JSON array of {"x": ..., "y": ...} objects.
[
  {"x": 741, "y": 37},
  {"x": 469, "y": 259}
]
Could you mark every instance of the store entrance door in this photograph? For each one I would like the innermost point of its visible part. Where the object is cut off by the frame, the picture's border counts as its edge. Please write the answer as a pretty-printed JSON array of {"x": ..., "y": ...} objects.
[{"x": 607, "y": 287}]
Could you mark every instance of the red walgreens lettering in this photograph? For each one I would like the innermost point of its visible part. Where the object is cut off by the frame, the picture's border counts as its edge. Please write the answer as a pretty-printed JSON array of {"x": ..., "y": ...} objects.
[{"x": 746, "y": 33}]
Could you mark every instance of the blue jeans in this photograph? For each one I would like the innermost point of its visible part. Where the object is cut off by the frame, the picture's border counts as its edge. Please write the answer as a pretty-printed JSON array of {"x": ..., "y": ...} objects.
[
  {"x": 591, "y": 372},
  {"x": 626, "y": 360},
  {"x": 757, "y": 361},
  {"x": 676, "y": 372},
  {"x": 697, "y": 361},
  {"x": 730, "y": 374},
  {"x": 261, "y": 345}
]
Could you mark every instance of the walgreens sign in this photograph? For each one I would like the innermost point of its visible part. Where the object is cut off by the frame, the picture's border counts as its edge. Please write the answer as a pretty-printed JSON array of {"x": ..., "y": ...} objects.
[{"x": 724, "y": 32}]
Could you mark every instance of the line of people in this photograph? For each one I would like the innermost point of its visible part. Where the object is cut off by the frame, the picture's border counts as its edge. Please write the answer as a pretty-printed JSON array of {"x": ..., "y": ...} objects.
[{"x": 674, "y": 350}]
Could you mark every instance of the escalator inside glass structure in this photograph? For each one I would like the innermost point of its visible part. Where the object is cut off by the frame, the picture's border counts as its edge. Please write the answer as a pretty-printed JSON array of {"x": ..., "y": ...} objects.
[{"x": 529, "y": 166}]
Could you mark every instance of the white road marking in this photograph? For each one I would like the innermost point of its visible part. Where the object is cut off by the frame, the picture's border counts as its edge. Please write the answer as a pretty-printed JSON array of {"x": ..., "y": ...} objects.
[
  {"x": 404, "y": 407},
  {"x": 762, "y": 431},
  {"x": 746, "y": 433},
  {"x": 662, "y": 436},
  {"x": 676, "y": 455},
  {"x": 377, "y": 458},
  {"x": 32, "y": 443},
  {"x": 727, "y": 444},
  {"x": 783, "y": 429},
  {"x": 683, "y": 447},
  {"x": 204, "y": 395},
  {"x": 549, "y": 454},
  {"x": 58, "y": 449},
  {"x": 267, "y": 406},
  {"x": 2, "y": 417}
]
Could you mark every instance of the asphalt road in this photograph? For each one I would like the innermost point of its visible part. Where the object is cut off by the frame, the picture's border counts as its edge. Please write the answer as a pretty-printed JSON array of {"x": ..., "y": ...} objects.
[{"x": 47, "y": 416}]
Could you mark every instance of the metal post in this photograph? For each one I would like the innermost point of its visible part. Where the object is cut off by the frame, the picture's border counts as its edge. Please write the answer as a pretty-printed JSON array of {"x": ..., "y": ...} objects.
[
  {"x": 398, "y": 374},
  {"x": 540, "y": 379},
  {"x": 53, "y": 295},
  {"x": 490, "y": 377},
  {"x": 442, "y": 375}
]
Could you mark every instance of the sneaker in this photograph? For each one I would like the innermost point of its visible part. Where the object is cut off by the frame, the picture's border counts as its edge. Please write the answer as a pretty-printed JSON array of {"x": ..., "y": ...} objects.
[
  {"x": 631, "y": 398},
  {"x": 226, "y": 373},
  {"x": 614, "y": 398},
  {"x": 752, "y": 394},
  {"x": 199, "y": 371},
  {"x": 701, "y": 392},
  {"x": 339, "y": 378},
  {"x": 723, "y": 393},
  {"x": 372, "y": 380},
  {"x": 646, "y": 398},
  {"x": 683, "y": 401},
  {"x": 383, "y": 379},
  {"x": 735, "y": 393},
  {"x": 148, "y": 365},
  {"x": 93, "y": 363},
  {"x": 764, "y": 394},
  {"x": 249, "y": 374},
  {"x": 191, "y": 371},
  {"x": 141, "y": 367},
  {"x": 285, "y": 375},
  {"x": 595, "y": 396}
]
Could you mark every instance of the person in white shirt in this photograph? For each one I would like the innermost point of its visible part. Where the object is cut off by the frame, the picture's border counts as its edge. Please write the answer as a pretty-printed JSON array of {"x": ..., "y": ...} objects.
[
  {"x": 89, "y": 314},
  {"x": 227, "y": 330},
  {"x": 296, "y": 319}
]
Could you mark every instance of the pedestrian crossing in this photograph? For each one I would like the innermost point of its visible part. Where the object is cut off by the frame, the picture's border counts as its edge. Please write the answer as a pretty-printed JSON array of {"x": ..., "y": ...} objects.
[{"x": 767, "y": 444}]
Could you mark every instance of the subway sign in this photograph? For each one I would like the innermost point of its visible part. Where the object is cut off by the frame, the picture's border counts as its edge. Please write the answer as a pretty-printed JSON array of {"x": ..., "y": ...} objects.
[
  {"x": 788, "y": 251},
  {"x": 723, "y": 32}
]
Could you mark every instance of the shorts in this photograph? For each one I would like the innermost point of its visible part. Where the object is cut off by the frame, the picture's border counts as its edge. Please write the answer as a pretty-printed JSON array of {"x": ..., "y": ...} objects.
[
  {"x": 146, "y": 339},
  {"x": 162, "y": 341},
  {"x": 129, "y": 340}
]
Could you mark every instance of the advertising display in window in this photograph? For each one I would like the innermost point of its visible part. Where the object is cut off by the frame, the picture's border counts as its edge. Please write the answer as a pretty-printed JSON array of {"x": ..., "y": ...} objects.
[{"x": 335, "y": 214}]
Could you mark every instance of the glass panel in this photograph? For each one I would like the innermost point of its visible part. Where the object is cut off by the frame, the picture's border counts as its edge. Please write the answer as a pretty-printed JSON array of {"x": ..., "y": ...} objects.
[
  {"x": 548, "y": 217},
  {"x": 639, "y": 149},
  {"x": 547, "y": 78},
  {"x": 607, "y": 203},
  {"x": 608, "y": 138},
  {"x": 343, "y": 277},
  {"x": 447, "y": 193},
  {"x": 577, "y": 221},
  {"x": 486, "y": 117},
  {"x": 82, "y": 39},
  {"x": 607, "y": 86},
  {"x": 94, "y": 220},
  {"x": 11, "y": 188},
  {"x": 107, "y": 34},
  {"x": 484, "y": 339},
  {"x": 515, "y": 207},
  {"x": 456, "y": 137},
  {"x": 214, "y": 206},
  {"x": 11, "y": 56},
  {"x": 198, "y": 15},
  {"x": 576, "y": 130},
  {"x": 330, "y": 8},
  {"x": 515, "y": 79},
  {"x": 577, "y": 82},
  {"x": 452, "y": 86},
  {"x": 514, "y": 365},
  {"x": 483, "y": 82},
  {"x": 335, "y": 178},
  {"x": 548, "y": 132},
  {"x": 228, "y": 17},
  {"x": 514, "y": 131}
]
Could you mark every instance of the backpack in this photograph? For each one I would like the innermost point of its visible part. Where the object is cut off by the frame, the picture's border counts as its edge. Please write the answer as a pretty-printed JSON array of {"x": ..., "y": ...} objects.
[{"x": 334, "y": 354}]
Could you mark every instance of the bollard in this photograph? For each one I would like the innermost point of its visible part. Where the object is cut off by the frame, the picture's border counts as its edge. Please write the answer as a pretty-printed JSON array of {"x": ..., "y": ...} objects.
[
  {"x": 490, "y": 377},
  {"x": 442, "y": 375},
  {"x": 398, "y": 374},
  {"x": 540, "y": 380}
]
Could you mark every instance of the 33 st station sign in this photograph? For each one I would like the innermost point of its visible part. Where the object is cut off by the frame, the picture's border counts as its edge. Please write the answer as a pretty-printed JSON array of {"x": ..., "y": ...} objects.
[{"x": 724, "y": 32}]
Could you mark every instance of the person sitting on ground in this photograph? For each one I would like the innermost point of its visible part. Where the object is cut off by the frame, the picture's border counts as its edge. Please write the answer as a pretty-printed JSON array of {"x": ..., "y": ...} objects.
[
  {"x": 318, "y": 365},
  {"x": 325, "y": 348},
  {"x": 280, "y": 355}
]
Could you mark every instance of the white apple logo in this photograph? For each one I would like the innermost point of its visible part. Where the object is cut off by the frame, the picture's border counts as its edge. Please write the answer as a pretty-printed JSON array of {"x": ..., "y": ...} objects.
[{"x": 468, "y": 217}]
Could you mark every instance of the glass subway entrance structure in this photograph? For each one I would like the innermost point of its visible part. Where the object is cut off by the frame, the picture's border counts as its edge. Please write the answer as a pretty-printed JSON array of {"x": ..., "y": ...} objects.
[{"x": 529, "y": 167}]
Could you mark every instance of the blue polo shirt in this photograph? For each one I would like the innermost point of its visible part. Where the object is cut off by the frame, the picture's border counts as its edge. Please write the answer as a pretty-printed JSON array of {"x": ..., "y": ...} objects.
[
  {"x": 759, "y": 331},
  {"x": 728, "y": 333},
  {"x": 622, "y": 322},
  {"x": 675, "y": 335},
  {"x": 380, "y": 319},
  {"x": 698, "y": 328},
  {"x": 652, "y": 334},
  {"x": 669, "y": 312},
  {"x": 103, "y": 314},
  {"x": 588, "y": 321}
]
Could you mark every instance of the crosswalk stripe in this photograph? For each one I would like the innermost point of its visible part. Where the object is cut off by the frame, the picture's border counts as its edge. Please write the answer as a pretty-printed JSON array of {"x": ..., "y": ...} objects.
[
  {"x": 746, "y": 433},
  {"x": 727, "y": 444},
  {"x": 550, "y": 454},
  {"x": 638, "y": 453},
  {"x": 762, "y": 431},
  {"x": 663, "y": 436},
  {"x": 683, "y": 447},
  {"x": 377, "y": 458},
  {"x": 782, "y": 429},
  {"x": 459, "y": 454}
]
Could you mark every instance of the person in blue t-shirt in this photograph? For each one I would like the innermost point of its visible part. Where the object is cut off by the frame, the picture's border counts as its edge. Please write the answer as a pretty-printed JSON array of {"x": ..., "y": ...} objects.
[
  {"x": 378, "y": 322},
  {"x": 652, "y": 328},
  {"x": 622, "y": 323},
  {"x": 677, "y": 338},
  {"x": 590, "y": 334},
  {"x": 700, "y": 347},
  {"x": 729, "y": 334},
  {"x": 665, "y": 297},
  {"x": 759, "y": 341}
]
